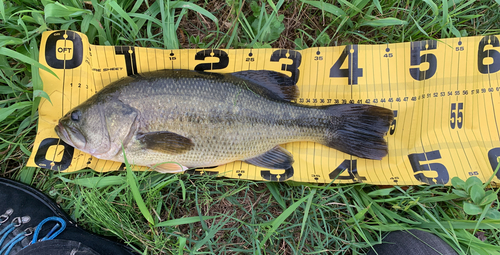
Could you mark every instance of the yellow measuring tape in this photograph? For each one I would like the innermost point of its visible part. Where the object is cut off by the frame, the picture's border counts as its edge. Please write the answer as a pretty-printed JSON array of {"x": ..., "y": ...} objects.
[{"x": 445, "y": 96}]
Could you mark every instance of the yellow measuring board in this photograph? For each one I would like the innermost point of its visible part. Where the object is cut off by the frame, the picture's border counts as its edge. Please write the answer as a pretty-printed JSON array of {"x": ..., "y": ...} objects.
[{"x": 445, "y": 96}]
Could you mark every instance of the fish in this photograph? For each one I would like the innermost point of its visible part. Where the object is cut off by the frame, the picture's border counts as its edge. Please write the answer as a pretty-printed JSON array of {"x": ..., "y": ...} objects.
[{"x": 174, "y": 120}]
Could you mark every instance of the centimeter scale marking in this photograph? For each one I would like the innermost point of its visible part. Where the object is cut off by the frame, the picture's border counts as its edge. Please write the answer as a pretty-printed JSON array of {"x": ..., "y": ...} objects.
[{"x": 444, "y": 96}]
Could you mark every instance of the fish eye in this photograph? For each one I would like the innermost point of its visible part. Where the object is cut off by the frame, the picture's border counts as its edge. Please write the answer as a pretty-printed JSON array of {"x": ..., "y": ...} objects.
[{"x": 75, "y": 115}]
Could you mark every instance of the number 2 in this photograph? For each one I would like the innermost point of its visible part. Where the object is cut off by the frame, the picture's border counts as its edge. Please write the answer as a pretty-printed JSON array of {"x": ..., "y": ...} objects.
[{"x": 201, "y": 55}]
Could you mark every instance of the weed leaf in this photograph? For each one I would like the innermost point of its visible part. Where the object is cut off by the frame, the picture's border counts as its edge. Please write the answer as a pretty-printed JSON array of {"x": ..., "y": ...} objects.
[
  {"x": 460, "y": 193},
  {"x": 458, "y": 183},
  {"x": 472, "y": 209},
  {"x": 477, "y": 193},
  {"x": 486, "y": 200}
]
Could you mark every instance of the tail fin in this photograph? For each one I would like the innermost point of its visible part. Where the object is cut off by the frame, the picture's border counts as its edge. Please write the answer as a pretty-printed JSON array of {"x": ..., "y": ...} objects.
[{"x": 359, "y": 130}]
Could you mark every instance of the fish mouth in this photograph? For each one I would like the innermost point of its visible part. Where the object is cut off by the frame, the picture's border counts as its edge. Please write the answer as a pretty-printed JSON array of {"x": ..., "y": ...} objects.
[{"x": 63, "y": 134}]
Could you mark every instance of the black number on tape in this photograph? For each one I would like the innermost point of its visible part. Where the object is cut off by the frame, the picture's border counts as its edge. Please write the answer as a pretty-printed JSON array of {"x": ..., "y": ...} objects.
[
  {"x": 202, "y": 55},
  {"x": 492, "y": 54},
  {"x": 421, "y": 170},
  {"x": 457, "y": 116},
  {"x": 493, "y": 156},
  {"x": 352, "y": 168},
  {"x": 417, "y": 59},
  {"x": 73, "y": 55},
  {"x": 352, "y": 72},
  {"x": 393, "y": 125},
  {"x": 266, "y": 174},
  {"x": 41, "y": 154},
  {"x": 122, "y": 167},
  {"x": 296, "y": 58},
  {"x": 130, "y": 61}
]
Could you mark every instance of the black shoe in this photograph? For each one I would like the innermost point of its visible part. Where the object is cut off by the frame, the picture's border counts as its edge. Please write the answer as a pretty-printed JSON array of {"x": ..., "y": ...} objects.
[{"x": 31, "y": 223}]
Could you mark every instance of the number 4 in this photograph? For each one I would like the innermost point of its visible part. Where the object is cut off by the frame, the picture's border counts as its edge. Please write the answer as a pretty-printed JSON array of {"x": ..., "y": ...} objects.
[
  {"x": 352, "y": 169},
  {"x": 352, "y": 72}
]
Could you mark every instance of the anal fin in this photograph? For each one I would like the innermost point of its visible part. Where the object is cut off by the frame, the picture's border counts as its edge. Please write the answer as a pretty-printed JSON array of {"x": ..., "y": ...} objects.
[{"x": 276, "y": 158}]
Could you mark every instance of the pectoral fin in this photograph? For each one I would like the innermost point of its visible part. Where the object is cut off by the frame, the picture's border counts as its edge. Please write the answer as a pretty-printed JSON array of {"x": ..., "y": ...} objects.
[
  {"x": 276, "y": 158},
  {"x": 165, "y": 141}
]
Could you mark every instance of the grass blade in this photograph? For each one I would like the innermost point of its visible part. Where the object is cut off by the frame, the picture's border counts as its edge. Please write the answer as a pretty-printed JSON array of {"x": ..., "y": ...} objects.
[
  {"x": 25, "y": 59},
  {"x": 124, "y": 15},
  {"x": 181, "y": 221},
  {"x": 6, "y": 112},
  {"x": 211, "y": 233},
  {"x": 280, "y": 219},
  {"x": 273, "y": 188},
  {"x": 194, "y": 7},
  {"x": 9, "y": 40},
  {"x": 379, "y": 7},
  {"x": 182, "y": 244},
  {"x": 134, "y": 188},
  {"x": 306, "y": 212},
  {"x": 327, "y": 7},
  {"x": 384, "y": 22},
  {"x": 99, "y": 182},
  {"x": 57, "y": 10}
]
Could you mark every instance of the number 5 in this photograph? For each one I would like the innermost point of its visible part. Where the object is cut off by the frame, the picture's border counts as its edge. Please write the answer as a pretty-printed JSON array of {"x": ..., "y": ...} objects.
[
  {"x": 416, "y": 59},
  {"x": 456, "y": 119},
  {"x": 433, "y": 168}
]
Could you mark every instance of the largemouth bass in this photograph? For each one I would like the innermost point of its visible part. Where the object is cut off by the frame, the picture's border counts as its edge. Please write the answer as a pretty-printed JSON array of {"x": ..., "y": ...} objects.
[{"x": 180, "y": 119}]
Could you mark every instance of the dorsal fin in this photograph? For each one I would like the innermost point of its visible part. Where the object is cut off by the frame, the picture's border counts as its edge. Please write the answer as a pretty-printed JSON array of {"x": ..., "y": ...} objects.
[{"x": 269, "y": 84}]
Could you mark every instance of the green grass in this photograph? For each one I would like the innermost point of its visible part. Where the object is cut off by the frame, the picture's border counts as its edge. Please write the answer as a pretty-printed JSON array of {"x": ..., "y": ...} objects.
[{"x": 176, "y": 214}]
